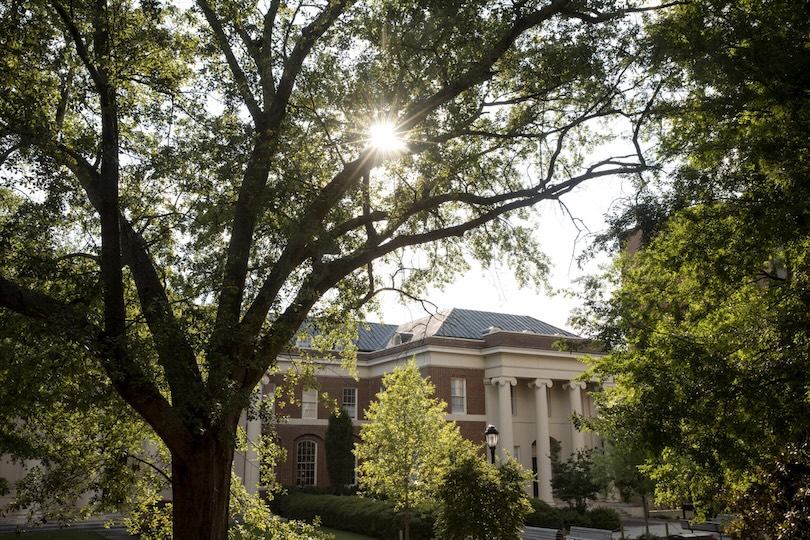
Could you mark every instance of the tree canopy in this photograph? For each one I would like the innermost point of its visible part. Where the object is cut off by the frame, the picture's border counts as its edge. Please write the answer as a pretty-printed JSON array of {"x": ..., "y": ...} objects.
[
  {"x": 183, "y": 184},
  {"x": 480, "y": 501},
  {"x": 708, "y": 320},
  {"x": 407, "y": 446}
]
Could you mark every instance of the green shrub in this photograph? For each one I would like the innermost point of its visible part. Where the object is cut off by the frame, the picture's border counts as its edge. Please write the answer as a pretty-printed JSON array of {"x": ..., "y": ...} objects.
[
  {"x": 571, "y": 517},
  {"x": 543, "y": 515},
  {"x": 356, "y": 514},
  {"x": 605, "y": 518}
]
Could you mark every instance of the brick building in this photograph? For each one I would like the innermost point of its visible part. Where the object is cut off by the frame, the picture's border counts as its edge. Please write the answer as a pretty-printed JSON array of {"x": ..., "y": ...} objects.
[{"x": 490, "y": 368}]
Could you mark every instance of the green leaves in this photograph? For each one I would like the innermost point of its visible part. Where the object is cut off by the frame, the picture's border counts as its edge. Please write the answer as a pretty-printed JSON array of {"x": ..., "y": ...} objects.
[
  {"x": 475, "y": 495},
  {"x": 407, "y": 445},
  {"x": 709, "y": 316}
]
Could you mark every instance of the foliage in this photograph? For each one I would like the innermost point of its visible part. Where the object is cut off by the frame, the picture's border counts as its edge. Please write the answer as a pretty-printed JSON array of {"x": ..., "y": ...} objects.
[
  {"x": 254, "y": 520},
  {"x": 184, "y": 184},
  {"x": 151, "y": 520},
  {"x": 604, "y": 518},
  {"x": 709, "y": 320},
  {"x": 44, "y": 427},
  {"x": 619, "y": 468},
  {"x": 573, "y": 517},
  {"x": 543, "y": 515},
  {"x": 407, "y": 446},
  {"x": 777, "y": 505},
  {"x": 474, "y": 496},
  {"x": 361, "y": 515},
  {"x": 339, "y": 445},
  {"x": 572, "y": 480}
]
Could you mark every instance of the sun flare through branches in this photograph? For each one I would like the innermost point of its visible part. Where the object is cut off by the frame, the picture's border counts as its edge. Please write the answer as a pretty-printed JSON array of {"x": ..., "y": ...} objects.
[{"x": 384, "y": 137}]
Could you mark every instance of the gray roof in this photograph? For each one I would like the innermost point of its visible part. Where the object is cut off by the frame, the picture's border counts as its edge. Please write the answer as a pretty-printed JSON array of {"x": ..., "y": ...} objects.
[
  {"x": 374, "y": 336},
  {"x": 454, "y": 323}
]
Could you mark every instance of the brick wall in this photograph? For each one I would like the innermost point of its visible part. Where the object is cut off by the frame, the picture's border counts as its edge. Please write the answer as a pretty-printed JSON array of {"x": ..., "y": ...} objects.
[{"x": 440, "y": 376}]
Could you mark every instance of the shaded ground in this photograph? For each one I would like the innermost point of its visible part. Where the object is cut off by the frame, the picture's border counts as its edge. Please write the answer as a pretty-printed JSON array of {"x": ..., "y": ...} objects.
[{"x": 632, "y": 528}]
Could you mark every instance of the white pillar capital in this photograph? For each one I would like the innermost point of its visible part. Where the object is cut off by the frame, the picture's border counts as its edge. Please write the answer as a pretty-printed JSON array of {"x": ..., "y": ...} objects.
[
  {"x": 537, "y": 383},
  {"x": 503, "y": 381},
  {"x": 575, "y": 385}
]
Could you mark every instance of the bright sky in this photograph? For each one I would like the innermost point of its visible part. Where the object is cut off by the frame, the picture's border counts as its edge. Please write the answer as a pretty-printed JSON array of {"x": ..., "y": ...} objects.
[{"x": 496, "y": 290}]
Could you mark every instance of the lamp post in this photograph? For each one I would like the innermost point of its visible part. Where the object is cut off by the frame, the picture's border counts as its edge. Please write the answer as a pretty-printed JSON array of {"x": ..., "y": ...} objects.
[{"x": 491, "y": 434}]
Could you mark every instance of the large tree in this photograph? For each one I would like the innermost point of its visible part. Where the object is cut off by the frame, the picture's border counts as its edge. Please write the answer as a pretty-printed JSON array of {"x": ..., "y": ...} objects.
[
  {"x": 186, "y": 184},
  {"x": 709, "y": 319}
]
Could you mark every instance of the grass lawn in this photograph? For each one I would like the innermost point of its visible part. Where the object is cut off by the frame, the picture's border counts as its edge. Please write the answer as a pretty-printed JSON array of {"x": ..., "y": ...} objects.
[
  {"x": 53, "y": 535},
  {"x": 346, "y": 535}
]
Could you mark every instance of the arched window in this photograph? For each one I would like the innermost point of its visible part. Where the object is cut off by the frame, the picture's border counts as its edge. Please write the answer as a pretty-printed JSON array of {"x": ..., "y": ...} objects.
[{"x": 306, "y": 453}]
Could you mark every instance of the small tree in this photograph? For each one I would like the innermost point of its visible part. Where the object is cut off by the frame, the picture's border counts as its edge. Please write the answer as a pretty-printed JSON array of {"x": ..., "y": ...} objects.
[
  {"x": 475, "y": 495},
  {"x": 572, "y": 480},
  {"x": 620, "y": 467},
  {"x": 406, "y": 446},
  {"x": 339, "y": 445}
]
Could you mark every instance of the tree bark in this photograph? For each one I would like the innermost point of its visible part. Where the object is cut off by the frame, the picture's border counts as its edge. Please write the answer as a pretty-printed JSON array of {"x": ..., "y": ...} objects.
[{"x": 201, "y": 477}]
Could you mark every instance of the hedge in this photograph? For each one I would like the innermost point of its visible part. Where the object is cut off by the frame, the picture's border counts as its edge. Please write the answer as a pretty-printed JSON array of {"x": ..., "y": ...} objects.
[
  {"x": 378, "y": 519},
  {"x": 362, "y": 515}
]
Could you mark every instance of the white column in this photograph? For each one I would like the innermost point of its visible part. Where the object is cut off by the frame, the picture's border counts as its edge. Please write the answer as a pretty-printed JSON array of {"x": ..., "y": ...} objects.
[
  {"x": 506, "y": 438},
  {"x": 491, "y": 401},
  {"x": 253, "y": 430},
  {"x": 577, "y": 437},
  {"x": 543, "y": 436}
]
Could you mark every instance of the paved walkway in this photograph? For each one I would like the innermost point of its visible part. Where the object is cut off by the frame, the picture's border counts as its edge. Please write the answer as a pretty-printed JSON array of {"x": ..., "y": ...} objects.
[{"x": 634, "y": 527}]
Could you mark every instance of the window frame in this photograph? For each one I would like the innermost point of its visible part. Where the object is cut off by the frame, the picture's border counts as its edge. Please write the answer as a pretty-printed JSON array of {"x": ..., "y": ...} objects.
[
  {"x": 311, "y": 466},
  {"x": 462, "y": 396},
  {"x": 353, "y": 412},
  {"x": 309, "y": 407}
]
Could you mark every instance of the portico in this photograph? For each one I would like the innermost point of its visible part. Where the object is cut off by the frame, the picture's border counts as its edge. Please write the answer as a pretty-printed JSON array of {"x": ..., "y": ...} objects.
[{"x": 531, "y": 397}]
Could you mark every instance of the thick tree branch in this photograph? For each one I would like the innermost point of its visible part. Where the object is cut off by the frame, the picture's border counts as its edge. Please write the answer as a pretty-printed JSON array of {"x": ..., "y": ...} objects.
[
  {"x": 248, "y": 204},
  {"x": 129, "y": 380},
  {"x": 242, "y": 83},
  {"x": 81, "y": 47}
]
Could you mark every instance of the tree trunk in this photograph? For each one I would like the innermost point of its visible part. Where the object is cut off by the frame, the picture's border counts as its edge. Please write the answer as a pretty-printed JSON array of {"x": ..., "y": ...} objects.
[
  {"x": 201, "y": 490},
  {"x": 645, "y": 506}
]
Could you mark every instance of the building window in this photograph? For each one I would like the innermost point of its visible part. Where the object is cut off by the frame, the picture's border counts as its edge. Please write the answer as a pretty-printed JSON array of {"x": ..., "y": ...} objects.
[
  {"x": 309, "y": 404},
  {"x": 350, "y": 402},
  {"x": 513, "y": 399},
  {"x": 516, "y": 453},
  {"x": 458, "y": 396},
  {"x": 305, "y": 457}
]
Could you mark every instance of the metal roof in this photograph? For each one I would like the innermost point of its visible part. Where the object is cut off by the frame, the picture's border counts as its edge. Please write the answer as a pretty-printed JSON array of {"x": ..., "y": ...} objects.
[
  {"x": 374, "y": 336},
  {"x": 454, "y": 323}
]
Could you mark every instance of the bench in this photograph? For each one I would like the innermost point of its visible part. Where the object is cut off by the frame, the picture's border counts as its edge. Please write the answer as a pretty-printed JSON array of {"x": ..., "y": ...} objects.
[
  {"x": 586, "y": 533},
  {"x": 538, "y": 533},
  {"x": 707, "y": 526}
]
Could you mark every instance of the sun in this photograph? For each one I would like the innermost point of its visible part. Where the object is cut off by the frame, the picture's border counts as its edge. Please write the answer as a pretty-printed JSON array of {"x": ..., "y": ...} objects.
[{"x": 384, "y": 137}]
